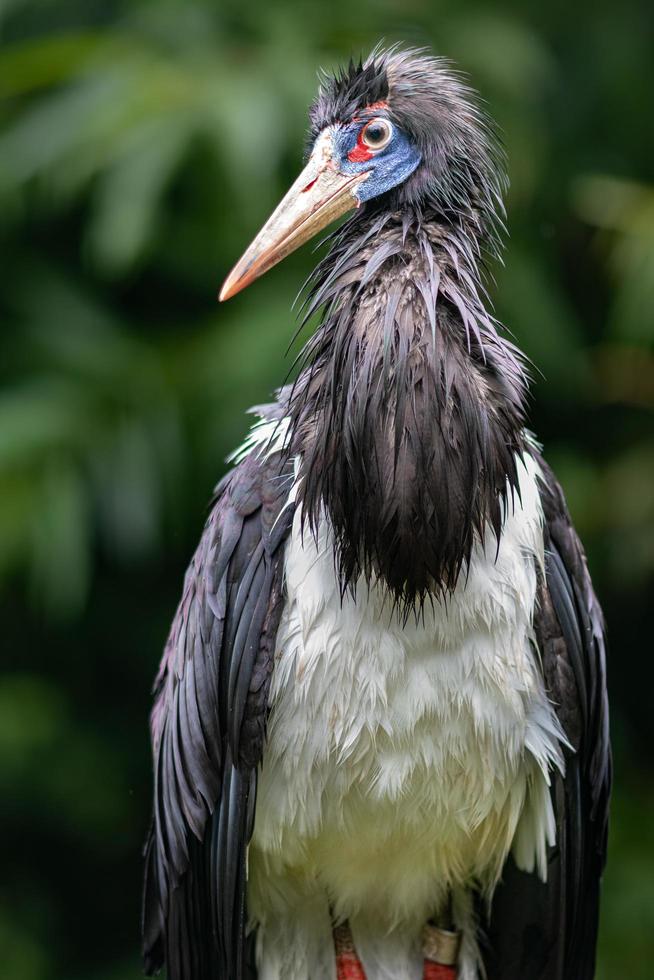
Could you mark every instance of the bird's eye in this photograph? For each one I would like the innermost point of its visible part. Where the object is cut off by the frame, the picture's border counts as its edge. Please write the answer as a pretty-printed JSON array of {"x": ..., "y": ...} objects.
[{"x": 377, "y": 134}]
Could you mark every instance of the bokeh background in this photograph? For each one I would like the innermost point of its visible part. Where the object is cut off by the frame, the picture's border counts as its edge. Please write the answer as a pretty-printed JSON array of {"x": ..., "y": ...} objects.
[{"x": 141, "y": 146}]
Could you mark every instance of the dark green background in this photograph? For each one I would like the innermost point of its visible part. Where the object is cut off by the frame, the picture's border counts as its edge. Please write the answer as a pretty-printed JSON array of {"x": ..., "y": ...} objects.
[{"x": 141, "y": 146}]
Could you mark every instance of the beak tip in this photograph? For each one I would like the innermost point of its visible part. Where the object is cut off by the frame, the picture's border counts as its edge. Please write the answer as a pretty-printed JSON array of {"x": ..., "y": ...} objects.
[
  {"x": 228, "y": 289},
  {"x": 299, "y": 217}
]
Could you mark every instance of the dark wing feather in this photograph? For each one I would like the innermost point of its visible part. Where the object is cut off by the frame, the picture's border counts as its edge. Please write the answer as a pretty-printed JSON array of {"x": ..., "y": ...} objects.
[
  {"x": 208, "y": 727},
  {"x": 549, "y": 931}
]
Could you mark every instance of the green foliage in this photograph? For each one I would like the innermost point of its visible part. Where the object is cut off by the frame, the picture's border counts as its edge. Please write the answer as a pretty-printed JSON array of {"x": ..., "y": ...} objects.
[{"x": 141, "y": 146}]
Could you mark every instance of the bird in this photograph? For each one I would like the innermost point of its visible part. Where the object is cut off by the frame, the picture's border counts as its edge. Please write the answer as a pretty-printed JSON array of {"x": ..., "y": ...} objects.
[{"x": 380, "y": 724}]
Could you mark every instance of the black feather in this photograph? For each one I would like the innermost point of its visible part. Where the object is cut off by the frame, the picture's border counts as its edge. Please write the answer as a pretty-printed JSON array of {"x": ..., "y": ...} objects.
[
  {"x": 549, "y": 931},
  {"x": 407, "y": 419},
  {"x": 207, "y": 728}
]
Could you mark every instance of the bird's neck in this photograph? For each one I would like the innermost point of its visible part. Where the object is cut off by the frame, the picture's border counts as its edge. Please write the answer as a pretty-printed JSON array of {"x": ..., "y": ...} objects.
[{"x": 408, "y": 415}]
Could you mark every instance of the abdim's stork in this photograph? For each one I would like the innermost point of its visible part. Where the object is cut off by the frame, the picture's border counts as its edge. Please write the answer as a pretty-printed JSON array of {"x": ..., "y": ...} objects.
[{"x": 380, "y": 723}]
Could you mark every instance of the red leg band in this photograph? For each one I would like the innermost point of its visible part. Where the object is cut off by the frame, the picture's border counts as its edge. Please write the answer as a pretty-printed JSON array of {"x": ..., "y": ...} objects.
[
  {"x": 348, "y": 964},
  {"x": 437, "y": 971},
  {"x": 348, "y": 967}
]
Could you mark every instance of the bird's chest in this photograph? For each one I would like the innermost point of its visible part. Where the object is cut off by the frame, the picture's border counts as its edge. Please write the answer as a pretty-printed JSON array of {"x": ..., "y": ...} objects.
[{"x": 386, "y": 734}]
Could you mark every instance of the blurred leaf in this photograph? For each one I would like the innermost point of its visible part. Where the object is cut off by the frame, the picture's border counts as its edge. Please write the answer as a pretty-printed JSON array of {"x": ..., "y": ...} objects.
[
  {"x": 128, "y": 197},
  {"x": 22, "y": 955},
  {"x": 44, "y": 62},
  {"x": 32, "y": 716},
  {"x": 624, "y": 210},
  {"x": 627, "y": 934},
  {"x": 537, "y": 313}
]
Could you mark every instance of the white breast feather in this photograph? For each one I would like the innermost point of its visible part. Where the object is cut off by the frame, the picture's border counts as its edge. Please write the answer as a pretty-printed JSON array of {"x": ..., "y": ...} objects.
[{"x": 401, "y": 759}]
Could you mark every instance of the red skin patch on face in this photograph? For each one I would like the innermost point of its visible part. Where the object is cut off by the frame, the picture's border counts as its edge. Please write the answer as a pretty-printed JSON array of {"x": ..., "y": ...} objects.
[
  {"x": 369, "y": 108},
  {"x": 359, "y": 153}
]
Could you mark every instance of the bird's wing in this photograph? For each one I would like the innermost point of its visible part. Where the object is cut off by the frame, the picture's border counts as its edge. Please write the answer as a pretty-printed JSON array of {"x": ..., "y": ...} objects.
[
  {"x": 548, "y": 931},
  {"x": 208, "y": 727}
]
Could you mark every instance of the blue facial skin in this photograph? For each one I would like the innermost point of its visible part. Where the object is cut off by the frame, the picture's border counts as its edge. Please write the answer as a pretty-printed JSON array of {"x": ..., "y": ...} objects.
[{"x": 388, "y": 167}]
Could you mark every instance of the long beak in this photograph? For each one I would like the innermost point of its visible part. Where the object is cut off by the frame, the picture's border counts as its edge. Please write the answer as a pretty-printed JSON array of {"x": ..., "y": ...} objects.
[{"x": 319, "y": 195}]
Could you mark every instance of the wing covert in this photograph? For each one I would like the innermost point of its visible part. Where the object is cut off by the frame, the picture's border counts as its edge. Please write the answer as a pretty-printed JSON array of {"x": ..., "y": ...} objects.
[
  {"x": 208, "y": 725},
  {"x": 548, "y": 931}
]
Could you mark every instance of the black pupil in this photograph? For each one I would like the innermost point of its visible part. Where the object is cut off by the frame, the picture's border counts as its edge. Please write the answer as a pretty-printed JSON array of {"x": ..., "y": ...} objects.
[{"x": 376, "y": 133}]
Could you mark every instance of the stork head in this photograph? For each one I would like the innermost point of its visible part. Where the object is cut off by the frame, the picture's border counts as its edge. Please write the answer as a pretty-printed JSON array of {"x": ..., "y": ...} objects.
[{"x": 399, "y": 130}]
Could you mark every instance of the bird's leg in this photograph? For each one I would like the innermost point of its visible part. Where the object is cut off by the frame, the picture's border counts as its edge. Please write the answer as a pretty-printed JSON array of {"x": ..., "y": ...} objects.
[
  {"x": 348, "y": 964},
  {"x": 440, "y": 946}
]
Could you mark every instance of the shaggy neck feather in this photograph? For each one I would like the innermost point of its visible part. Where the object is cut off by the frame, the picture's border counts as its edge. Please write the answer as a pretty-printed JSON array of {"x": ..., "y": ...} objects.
[{"x": 408, "y": 413}]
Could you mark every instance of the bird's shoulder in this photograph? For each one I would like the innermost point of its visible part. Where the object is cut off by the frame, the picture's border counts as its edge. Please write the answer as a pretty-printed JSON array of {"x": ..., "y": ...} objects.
[{"x": 244, "y": 524}]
